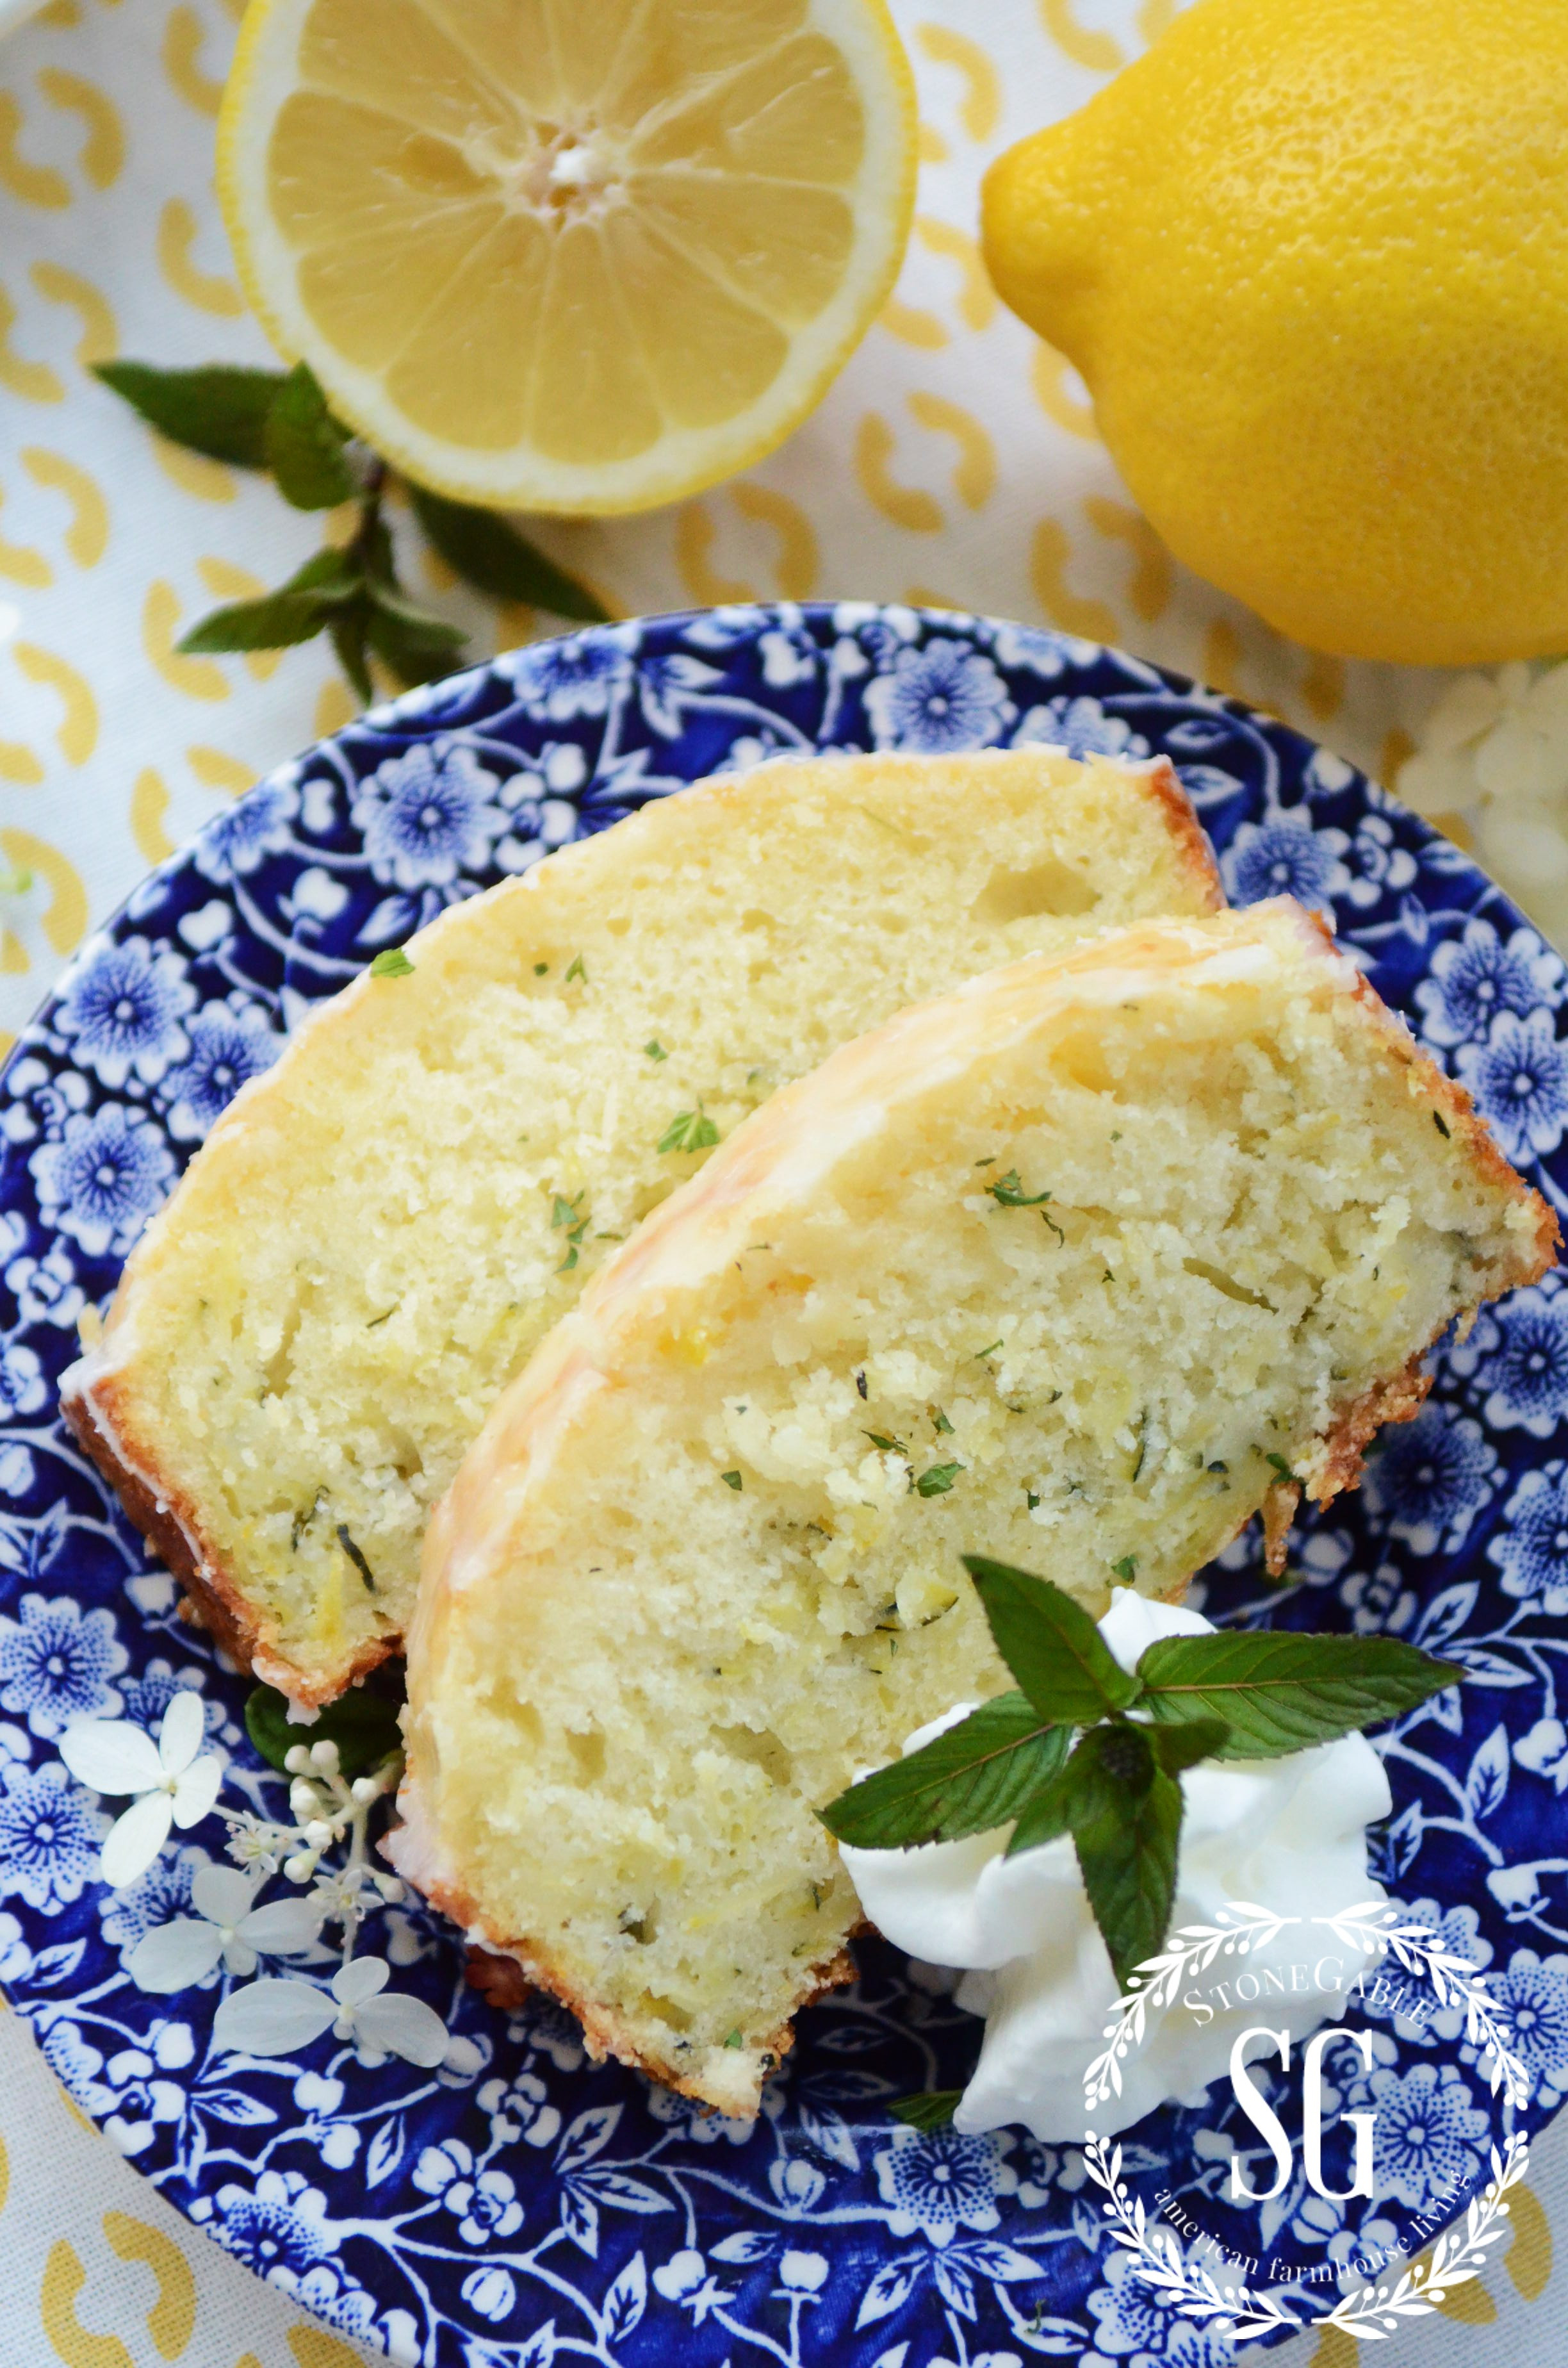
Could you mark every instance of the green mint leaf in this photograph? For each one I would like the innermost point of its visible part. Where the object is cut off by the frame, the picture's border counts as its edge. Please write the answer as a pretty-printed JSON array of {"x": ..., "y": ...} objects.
[
  {"x": 1279, "y": 1691},
  {"x": 305, "y": 445},
  {"x": 655, "y": 1050},
  {"x": 879, "y": 1439},
  {"x": 391, "y": 962},
  {"x": 938, "y": 1479},
  {"x": 1111, "y": 1766},
  {"x": 1009, "y": 1193},
  {"x": 1127, "y": 1856},
  {"x": 356, "y": 1555},
  {"x": 932, "y": 2110},
  {"x": 1281, "y": 1467},
  {"x": 971, "y": 1778},
  {"x": 1047, "y": 1813},
  {"x": 415, "y": 647},
  {"x": 216, "y": 410},
  {"x": 1050, "y": 1645},
  {"x": 990, "y": 1352},
  {"x": 940, "y": 1425},
  {"x": 1183, "y": 1746},
  {"x": 494, "y": 558},
  {"x": 330, "y": 574},
  {"x": 362, "y": 1723},
  {"x": 689, "y": 1131},
  {"x": 373, "y": 545},
  {"x": 277, "y": 621},
  {"x": 1127, "y": 1568},
  {"x": 732, "y": 1480},
  {"x": 347, "y": 631},
  {"x": 577, "y": 970},
  {"x": 410, "y": 655},
  {"x": 419, "y": 623},
  {"x": 296, "y": 611},
  {"x": 567, "y": 1213}
]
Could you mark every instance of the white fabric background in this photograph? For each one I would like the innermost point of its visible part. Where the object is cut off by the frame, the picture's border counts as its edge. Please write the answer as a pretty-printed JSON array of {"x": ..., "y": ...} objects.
[{"x": 955, "y": 460}]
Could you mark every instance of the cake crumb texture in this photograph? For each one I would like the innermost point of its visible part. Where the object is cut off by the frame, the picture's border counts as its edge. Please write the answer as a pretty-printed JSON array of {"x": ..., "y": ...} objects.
[
  {"x": 378, "y": 1232},
  {"x": 1081, "y": 1268}
]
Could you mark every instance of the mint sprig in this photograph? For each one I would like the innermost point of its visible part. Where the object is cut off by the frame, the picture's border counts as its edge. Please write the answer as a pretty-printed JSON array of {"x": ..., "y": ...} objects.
[
  {"x": 1061, "y": 1755},
  {"x": 280, "y": 422},
  {"x": 1052, "y": 1644},
  {"x": 1278, "y": 1691},
  {"x": 969, "y": 1781}
]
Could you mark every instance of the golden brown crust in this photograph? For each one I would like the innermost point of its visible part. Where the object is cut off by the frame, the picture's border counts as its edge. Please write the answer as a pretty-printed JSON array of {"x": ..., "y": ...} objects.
[
  {"x": 503, "y": 1972},
  {"x": 1278, "y": 1513},
  {"x": 1181, "y": 816},
  {"x": 1399, "y": 1398},
  {"x": 504, "y": 1982},
  {"x": 170, "y": 1523},
  {"x": 1452, "y": 1105}
]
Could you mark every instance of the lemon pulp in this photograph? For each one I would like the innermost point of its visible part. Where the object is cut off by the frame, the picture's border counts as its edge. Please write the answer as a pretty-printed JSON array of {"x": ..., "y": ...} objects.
[{"x": 580, "y": 253}]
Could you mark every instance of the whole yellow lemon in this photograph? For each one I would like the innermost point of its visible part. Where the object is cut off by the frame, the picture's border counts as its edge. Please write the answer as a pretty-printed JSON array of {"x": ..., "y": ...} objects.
[{"x": 1311, "y": 257}]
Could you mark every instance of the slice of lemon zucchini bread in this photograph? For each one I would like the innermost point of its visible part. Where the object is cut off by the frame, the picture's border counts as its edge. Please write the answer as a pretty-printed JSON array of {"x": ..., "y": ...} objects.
[
  {"x": 378, "y": 1232},
  {"x": 1077, "y": 1268}
]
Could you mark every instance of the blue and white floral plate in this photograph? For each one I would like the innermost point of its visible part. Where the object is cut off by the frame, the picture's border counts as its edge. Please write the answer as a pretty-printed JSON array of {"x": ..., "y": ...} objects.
[{"x": 519, "y": 2204}]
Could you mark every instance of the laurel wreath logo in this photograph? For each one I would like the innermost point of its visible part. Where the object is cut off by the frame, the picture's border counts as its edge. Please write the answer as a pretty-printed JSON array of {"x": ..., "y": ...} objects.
[{"x": 1375, "y": 2310}]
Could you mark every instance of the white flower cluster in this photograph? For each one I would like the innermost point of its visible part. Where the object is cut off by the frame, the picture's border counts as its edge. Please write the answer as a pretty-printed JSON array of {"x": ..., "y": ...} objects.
[
  {"x": 174, "y": 1783},
  {"x": 1494, "y": 752}
]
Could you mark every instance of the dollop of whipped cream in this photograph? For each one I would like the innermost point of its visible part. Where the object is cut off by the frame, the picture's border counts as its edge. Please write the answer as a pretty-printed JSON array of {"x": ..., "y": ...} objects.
[{"x": 1287, "y": 1834}]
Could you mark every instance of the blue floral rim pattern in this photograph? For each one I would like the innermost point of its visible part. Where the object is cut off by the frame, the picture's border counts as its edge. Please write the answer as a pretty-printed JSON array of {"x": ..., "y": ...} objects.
[{"x": 518, "y": 2204}]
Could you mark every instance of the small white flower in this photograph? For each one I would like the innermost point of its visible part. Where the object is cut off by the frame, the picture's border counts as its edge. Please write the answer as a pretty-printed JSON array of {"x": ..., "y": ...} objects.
[
  {"x": 275, "y": 2017},
  {"x": 171, "y": 1784},
  {"x": 226, "y": 1926},
  {"x": 338, "y": 1893},
  {"x": 256, "y": 1844}
]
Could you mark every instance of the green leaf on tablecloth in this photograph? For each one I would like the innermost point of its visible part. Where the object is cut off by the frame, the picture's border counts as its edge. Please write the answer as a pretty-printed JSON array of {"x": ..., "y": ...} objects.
[
  {"x": 296, "y": 612},
  {"x": 489, "y": 553},
  {"x": 416, "y": 647},
  {"x": 348, "y": 635},
  {"x": 215, "y": 410},
  {"x": 306, "y": 447}
]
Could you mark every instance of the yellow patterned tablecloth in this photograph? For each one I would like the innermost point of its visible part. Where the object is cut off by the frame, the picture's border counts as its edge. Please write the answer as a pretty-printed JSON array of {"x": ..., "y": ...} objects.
[{"x": 954, "y": 462}]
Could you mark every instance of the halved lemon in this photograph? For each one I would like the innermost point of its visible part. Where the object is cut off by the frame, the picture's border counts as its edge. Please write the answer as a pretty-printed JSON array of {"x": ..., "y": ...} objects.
[{"x": 569, "y": 255}]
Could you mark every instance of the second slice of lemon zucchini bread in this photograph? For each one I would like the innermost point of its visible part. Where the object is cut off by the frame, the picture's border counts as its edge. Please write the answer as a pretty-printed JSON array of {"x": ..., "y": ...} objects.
[
  {"x": 378, "y": 1232},
  {"x": 1078, "y": 1268}
]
